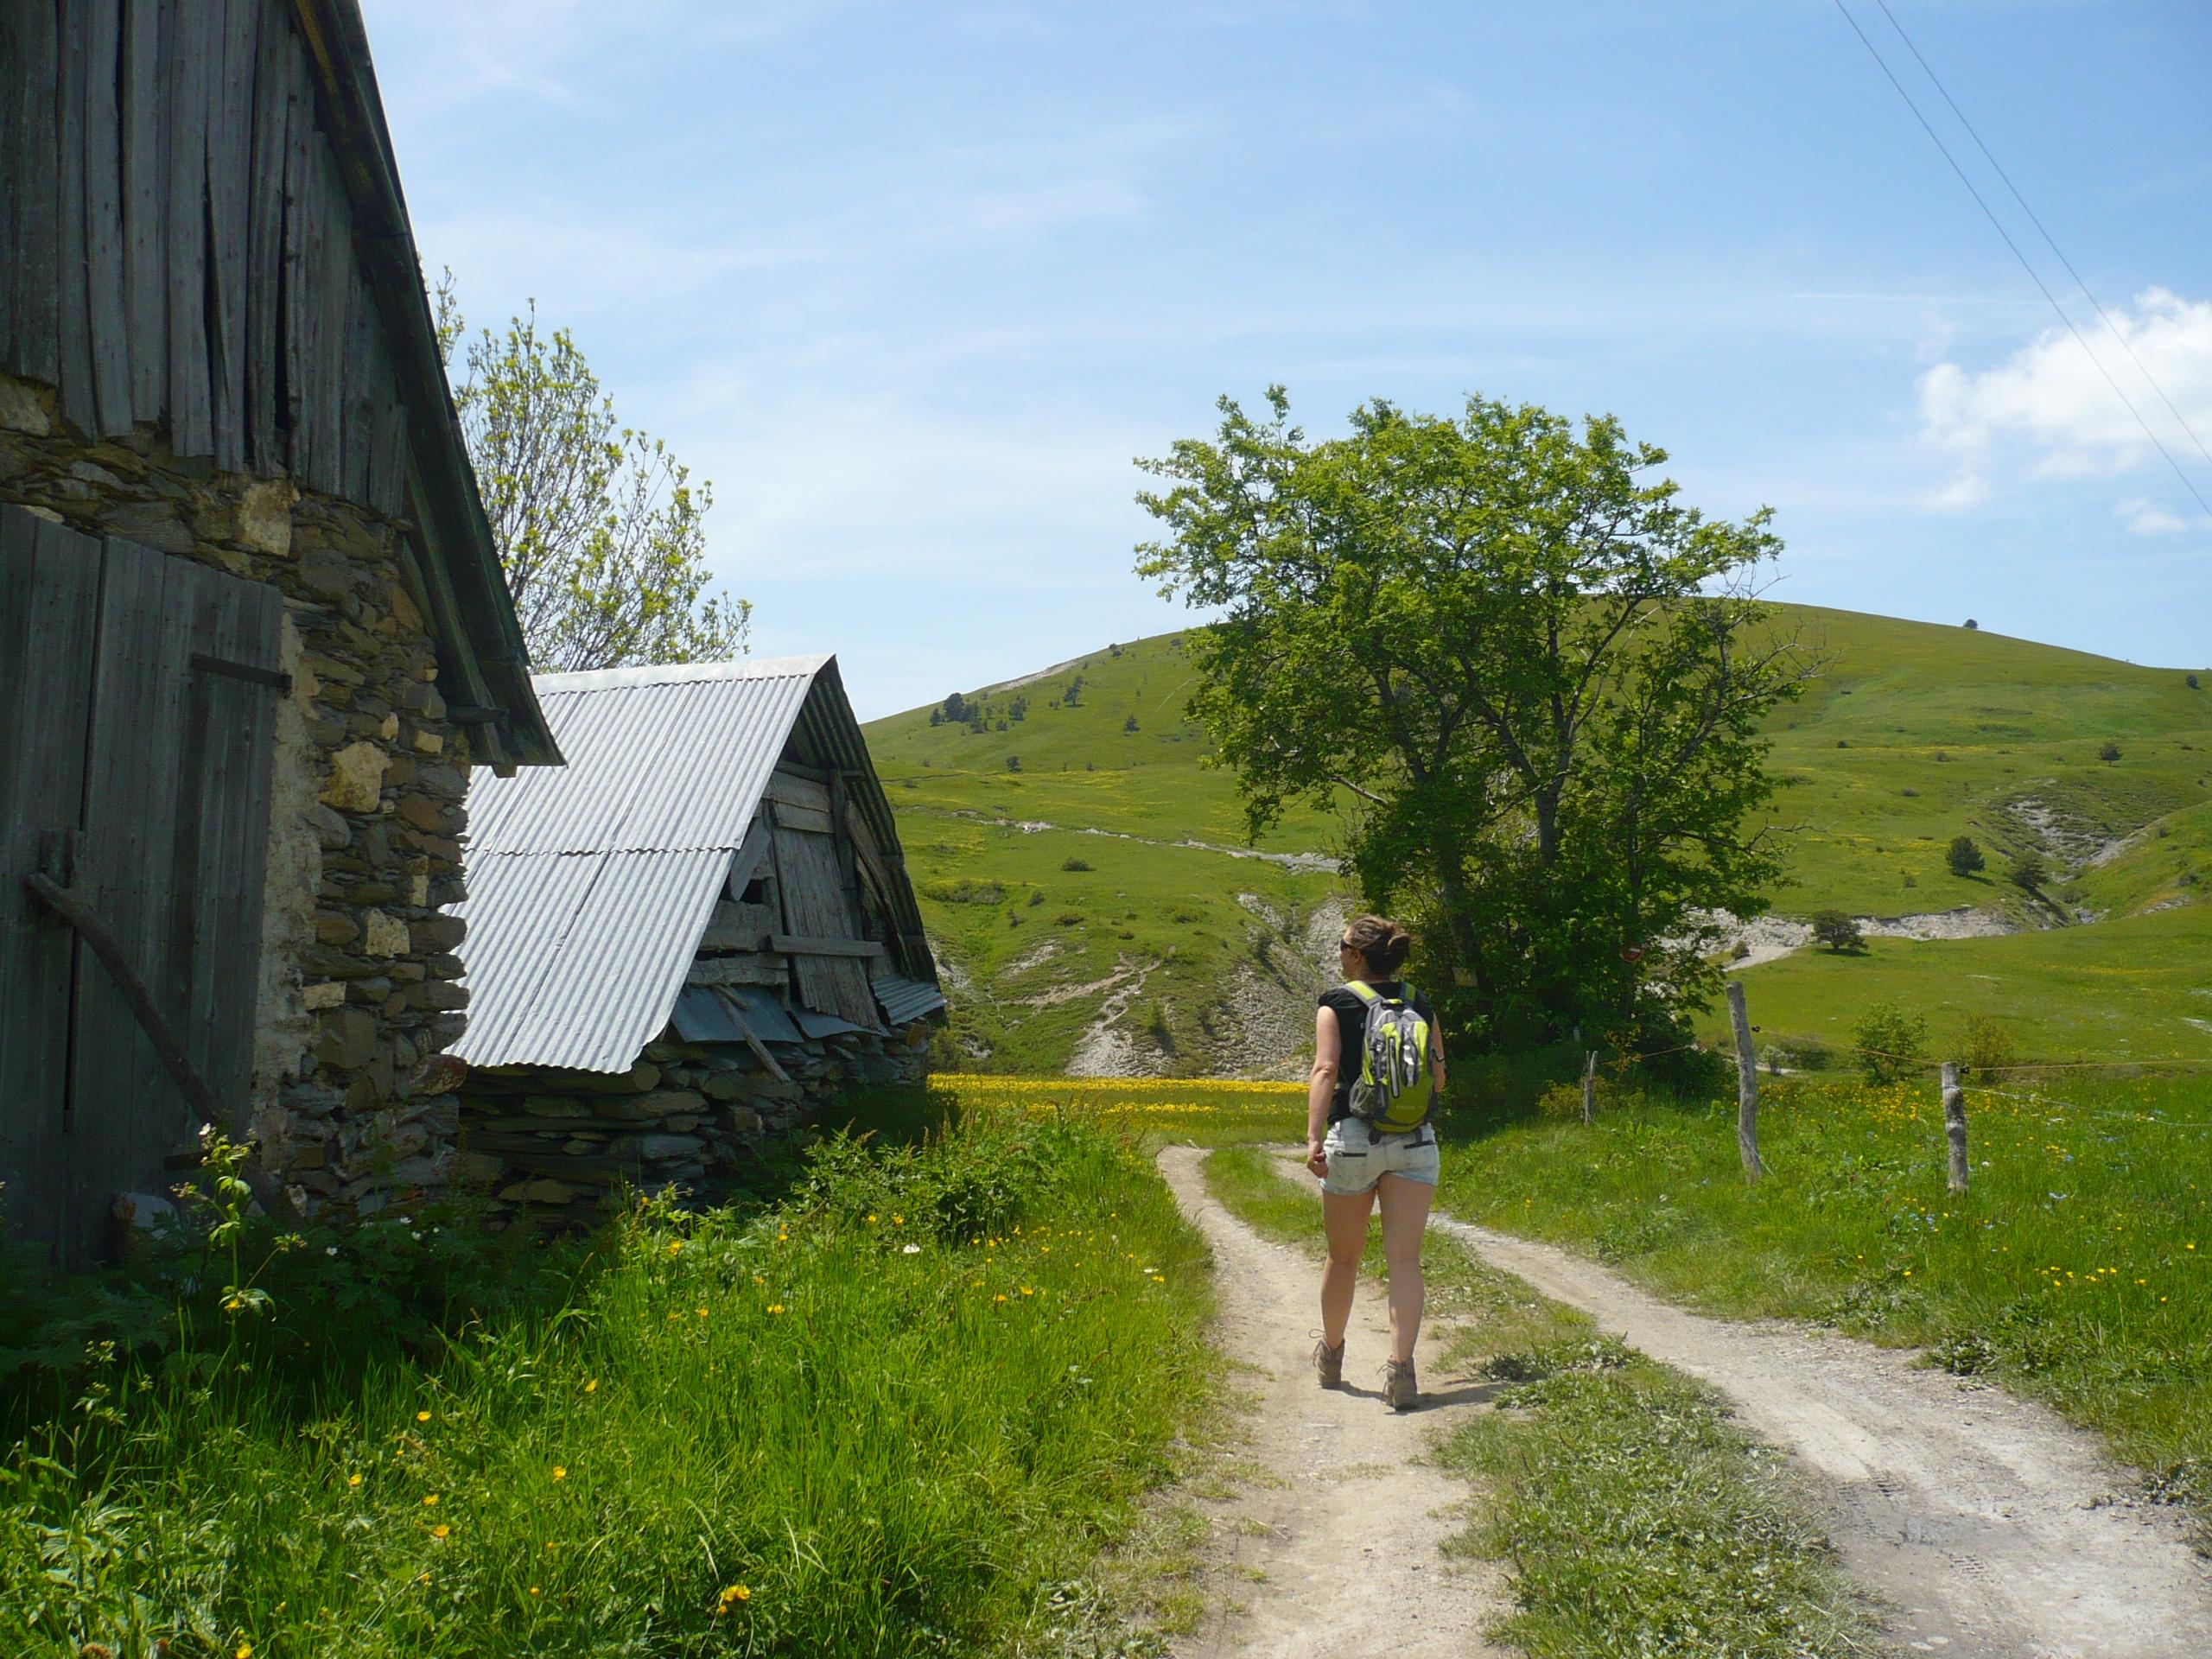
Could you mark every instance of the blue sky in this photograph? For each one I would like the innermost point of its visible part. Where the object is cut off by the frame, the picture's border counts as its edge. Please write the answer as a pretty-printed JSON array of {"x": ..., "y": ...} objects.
[{"x": 912, "y": 283}]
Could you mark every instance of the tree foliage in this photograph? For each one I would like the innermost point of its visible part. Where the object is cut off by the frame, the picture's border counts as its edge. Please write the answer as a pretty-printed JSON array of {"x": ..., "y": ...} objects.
[
  {"x": 1539, "y": 675},
  {"x": 1838, "y": 930},
  {"x": 1963, "y": 857},
  {"x": 600, "y": 529}
]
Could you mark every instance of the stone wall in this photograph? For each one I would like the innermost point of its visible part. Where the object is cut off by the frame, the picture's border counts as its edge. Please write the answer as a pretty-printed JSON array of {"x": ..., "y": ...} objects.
[
  {"x": 359, "y": 991},
  {"x": 559, "y": 1143}
]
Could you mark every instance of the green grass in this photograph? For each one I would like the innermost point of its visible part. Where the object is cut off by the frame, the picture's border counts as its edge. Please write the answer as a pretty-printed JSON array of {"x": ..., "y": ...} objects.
[
  {"x": 2137, "y": 989},
  {"x": 1637, "y": 1517},
  {"x": 900, "y": 1412},
  {"x": 1912, "y": 735},
  {"x": 2076, "y": 1269}
]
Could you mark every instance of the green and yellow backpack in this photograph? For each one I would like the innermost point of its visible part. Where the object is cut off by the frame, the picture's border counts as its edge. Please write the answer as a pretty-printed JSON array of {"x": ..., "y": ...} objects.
[{"x": 1392, "y": 1093}]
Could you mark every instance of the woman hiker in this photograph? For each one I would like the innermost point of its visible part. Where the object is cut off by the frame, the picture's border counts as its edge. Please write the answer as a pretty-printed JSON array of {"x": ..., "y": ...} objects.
[{"x": 1367, "y": 1137}]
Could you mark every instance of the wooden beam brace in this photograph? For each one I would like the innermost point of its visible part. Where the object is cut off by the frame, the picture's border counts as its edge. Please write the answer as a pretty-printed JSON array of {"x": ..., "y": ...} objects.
[
  {"x": 798, "y": 944},
  {"x": 174, "y": 1060}
]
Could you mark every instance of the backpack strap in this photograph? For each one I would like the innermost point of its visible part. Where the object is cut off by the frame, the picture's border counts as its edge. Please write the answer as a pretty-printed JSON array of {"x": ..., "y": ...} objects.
[{"x": 1363, "y": 991}]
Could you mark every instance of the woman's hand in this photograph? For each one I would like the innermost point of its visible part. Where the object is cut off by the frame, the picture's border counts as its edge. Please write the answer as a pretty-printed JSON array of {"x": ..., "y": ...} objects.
[{"x": 1317, "y": 1158}]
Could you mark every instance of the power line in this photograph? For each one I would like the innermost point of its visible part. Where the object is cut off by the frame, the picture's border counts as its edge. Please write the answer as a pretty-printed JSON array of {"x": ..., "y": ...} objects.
[
  {"x": 1998, "y": 225},
  {"x": 2111, "y": 327}
]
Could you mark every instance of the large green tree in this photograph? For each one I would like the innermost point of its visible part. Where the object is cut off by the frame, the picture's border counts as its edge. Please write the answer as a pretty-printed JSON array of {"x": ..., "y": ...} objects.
[
  {"x": 1538, "y": 677},
  {"x": 600, "y": 529}
]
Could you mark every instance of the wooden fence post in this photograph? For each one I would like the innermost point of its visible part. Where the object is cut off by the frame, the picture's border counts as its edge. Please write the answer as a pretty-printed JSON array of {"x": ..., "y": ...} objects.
[
  {"x": 1955, "y": 1124},
  {"x": 1590, "y": 1088},
  {"x": 1747, "y": 1085}
]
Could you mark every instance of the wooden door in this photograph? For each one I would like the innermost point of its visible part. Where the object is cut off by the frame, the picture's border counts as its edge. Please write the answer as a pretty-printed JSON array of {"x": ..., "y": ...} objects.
[{"x": 138, "y": 776}]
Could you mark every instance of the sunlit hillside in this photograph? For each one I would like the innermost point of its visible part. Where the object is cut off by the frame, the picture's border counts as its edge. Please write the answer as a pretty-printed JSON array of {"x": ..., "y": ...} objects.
[{"x": 1085, "y": 875}]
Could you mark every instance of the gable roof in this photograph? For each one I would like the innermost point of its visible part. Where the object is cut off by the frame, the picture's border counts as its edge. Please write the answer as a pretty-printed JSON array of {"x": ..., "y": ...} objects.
[
  {"x": 590, "y": 886},
  {"x": 470, "y": 607}
]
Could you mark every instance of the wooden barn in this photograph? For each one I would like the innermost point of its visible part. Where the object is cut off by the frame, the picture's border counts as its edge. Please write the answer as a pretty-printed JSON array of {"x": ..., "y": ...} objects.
[
  {"x": 253, "y": 630},
  {"x": 686, "y": 938}
]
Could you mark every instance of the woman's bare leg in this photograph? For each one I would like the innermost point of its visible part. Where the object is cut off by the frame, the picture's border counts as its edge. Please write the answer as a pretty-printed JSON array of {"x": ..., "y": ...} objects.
[
  {"x": 1405, "y": 1213},
  {"x": 1345, "y": 1219}
]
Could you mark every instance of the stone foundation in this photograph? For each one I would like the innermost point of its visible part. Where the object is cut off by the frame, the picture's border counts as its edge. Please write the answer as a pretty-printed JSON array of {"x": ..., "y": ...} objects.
[
  {"x": 559, "y": 1144},
  {"x": 358, "y": 992}
]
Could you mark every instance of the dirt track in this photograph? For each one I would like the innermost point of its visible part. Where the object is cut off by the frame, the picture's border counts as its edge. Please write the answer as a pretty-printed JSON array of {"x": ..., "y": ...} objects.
[
  {"x": 1989, "y": 1526},
  {"x": 1993, "y": 1528},
  {"x": 1336, "y": 1551}
]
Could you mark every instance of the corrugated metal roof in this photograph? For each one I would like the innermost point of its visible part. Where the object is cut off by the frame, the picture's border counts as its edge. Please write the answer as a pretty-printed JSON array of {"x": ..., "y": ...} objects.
[
  {"x": 575, "y": 959},
  {"x": 590, "y": 885},
  {"x": 905, "y": 1001},
  {"x": 660, "y": 760}
]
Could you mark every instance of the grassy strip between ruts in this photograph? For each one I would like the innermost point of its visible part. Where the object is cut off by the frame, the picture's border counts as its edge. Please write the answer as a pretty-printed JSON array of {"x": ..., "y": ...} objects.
[
  {"x": 1637, "y": 1518},
  {"x": 2077, "y": 1267},
  {"x": 900, "y": 1412}
]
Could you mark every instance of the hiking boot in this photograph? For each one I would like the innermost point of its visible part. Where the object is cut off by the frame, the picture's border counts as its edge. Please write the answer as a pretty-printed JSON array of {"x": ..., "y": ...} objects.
[
  {"x": 1329, "y": 1364},
  {"x": 1400, "y": 1391}
]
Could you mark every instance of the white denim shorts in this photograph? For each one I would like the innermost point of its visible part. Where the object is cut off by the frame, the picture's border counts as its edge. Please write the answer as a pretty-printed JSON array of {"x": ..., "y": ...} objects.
[{"x": 1358, "y": 1157}]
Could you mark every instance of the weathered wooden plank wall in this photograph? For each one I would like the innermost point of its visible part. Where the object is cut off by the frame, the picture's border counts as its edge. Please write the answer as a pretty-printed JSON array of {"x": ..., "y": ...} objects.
[
  {"x": 137, "y": 774},
  {"x": 51, "y": 578},
  {"x": 814, "y": 905},
  {"x": 179, "y": 244}
]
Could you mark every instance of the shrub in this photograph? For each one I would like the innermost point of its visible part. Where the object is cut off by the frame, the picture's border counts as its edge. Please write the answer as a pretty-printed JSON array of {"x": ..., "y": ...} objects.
[
  {"x": 1036, "y": 898},
  {"x": 1963, "y": 857},
  {"x": 1838, "y": 931},
  {"x": 1888, "y": 1040},
  {"x": 1972, "y": 624},
  {"x": 1013, "y": 763},
  {"x": 1130, "y": 724},
  {"x": 1985, "y": 1048},
  {"x": 2189, "y": 680},
  {"x": 1562, "y": 1099},
  {"x": 2109, "y": 752},
  {"x": 2028, "y": 871},
  {"x": 1075, "y": 866}
]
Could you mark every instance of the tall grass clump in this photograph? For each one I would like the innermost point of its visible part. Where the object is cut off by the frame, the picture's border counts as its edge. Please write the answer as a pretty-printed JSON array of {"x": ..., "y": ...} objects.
[{"x": 899, "y": 1412}]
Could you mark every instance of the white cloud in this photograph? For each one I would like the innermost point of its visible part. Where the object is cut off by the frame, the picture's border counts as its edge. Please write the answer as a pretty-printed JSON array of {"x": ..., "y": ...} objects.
[
  {"x": 2051, "y": 405},
  {"x": 1968, "y": 489},
  {"x": 2145, "y": 517}
]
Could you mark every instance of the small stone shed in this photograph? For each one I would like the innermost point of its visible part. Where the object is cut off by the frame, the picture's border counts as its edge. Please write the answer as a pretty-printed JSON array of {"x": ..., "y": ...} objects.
[
  {"x": 686, "y": 939},
  {"x": 253, "y": 632}
]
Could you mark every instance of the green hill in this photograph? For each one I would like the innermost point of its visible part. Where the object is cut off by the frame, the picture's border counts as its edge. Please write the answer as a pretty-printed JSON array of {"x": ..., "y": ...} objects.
[{"x": 1085, "y": 877}]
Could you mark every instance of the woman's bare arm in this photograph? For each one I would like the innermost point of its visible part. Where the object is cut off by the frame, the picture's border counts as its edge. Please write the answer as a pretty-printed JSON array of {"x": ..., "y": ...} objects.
[{"x": 1321, "y": 1087}]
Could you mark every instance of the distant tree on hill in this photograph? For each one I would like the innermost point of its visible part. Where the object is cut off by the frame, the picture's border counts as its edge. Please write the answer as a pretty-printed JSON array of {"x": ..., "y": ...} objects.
[
  {"x": 1130, "y": 724},
  {"x": 1013, "y": 763},
  {"x": 1542, "y": 675},
  {"x": 2109, "y": 752},
  {"x": 956, "y": 708},
  {"x": 1971, "y": 623},
  {"x": 936, "y": 716},
  {"x": 1838, "y": 930},
  {"x": 2029, "y": 870},
  {"x": 1963, "y": 857},
  {"x": 2189, "y": 680}
]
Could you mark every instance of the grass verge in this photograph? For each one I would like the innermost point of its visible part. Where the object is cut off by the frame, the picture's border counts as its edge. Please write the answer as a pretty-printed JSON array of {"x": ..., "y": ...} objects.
[
  {"x": 1637, "y": 1517},
  {"x": 900, "y": 1412}
]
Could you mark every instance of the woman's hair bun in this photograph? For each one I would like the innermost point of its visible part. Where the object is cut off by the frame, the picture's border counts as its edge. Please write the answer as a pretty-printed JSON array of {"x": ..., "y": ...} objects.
[{"x": 1382, "y": 942}]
